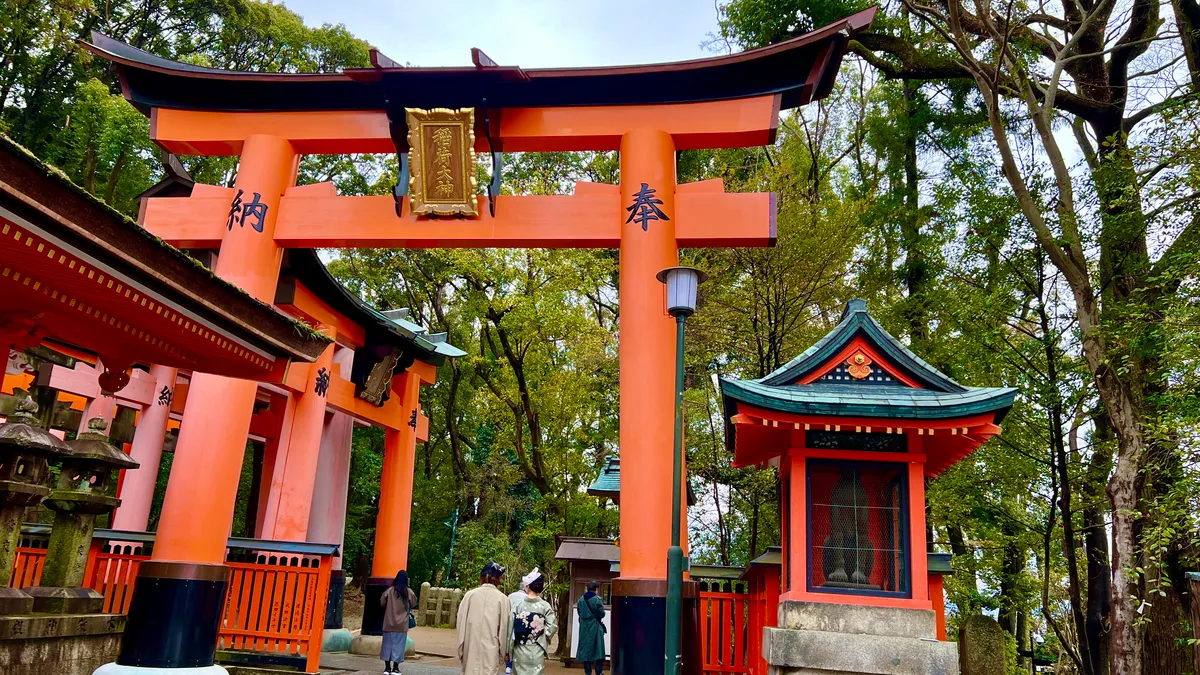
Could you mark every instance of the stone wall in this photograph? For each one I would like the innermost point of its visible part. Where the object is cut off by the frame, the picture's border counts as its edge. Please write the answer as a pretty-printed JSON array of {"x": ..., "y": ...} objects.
[
  {"x": 59, "y": 645},
  {"x": 438, "y": 606}
]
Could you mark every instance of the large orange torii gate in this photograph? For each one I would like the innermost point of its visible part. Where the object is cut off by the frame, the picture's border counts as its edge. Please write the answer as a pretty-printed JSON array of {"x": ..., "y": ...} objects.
[{"x": 647, "y": 113}]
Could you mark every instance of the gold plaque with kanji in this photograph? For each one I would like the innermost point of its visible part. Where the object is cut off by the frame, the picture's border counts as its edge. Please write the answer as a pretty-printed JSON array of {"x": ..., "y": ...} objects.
[{"x": 441, "y": 161}]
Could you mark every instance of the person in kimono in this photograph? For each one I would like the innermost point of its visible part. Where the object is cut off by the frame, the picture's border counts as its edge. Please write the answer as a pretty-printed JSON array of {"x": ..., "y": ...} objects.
[
  {"x": 515, "y": 599},
  {"x": 591, "y": 630},
  {"x": 484, "y": 622},
  {"x": 534, "y": 623}
]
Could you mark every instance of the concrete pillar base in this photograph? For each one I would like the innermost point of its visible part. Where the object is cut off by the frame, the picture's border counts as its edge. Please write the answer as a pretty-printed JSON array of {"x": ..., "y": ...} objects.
[
  {"x": 117, "y": 669},
  {"x": 336, "y": 640},
  {"x": 833, "y": 639},
  {"x": 372, "y": 645},
  {"x": 366, "y": 645}
]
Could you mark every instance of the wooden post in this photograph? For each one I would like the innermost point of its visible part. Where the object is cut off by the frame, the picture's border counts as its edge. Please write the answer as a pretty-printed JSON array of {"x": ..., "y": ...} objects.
[
  {"x": 648, "y": 355},
  {"x": 396, "y": 485},
  {"x": 189, "y": 551},
  {"x": 290, "y": 500},
  {"x": 317, "y": 618},
  {"x": 137, "y": 488}
]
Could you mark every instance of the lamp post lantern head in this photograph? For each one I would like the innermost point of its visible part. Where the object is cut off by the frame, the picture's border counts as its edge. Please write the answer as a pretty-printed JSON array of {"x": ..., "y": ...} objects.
[{"x": 681, "y": 283}]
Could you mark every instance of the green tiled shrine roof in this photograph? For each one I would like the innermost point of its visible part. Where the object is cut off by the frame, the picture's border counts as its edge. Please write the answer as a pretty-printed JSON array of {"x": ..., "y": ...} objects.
[
  {"x": 878, "y": 396},
  {"x": 608, "y": 484},
  {"x": 847, "y": 400},
  {"x": 943, "y": 398}
]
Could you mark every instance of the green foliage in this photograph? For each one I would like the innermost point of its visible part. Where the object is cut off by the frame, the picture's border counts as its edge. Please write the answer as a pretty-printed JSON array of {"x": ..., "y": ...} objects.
[{"x": 61, "y": 103}]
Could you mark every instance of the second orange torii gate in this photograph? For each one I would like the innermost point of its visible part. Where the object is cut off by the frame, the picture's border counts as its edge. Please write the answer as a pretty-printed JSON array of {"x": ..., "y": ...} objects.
[{"x": 647, "y": 113}]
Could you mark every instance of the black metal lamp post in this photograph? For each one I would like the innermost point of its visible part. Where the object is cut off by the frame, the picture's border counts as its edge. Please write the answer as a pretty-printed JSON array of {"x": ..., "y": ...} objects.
[{"x": 681, "y": 283}]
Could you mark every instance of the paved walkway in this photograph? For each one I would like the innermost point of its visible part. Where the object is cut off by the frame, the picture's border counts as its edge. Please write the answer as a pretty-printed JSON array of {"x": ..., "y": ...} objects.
[{"x": 437, "y": 654}]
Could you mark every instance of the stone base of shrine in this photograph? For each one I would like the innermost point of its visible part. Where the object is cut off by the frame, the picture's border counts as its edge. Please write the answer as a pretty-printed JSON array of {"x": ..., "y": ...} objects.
[
  {"x": 816, "y": 638},
  {"x": 62, "y": 644}
]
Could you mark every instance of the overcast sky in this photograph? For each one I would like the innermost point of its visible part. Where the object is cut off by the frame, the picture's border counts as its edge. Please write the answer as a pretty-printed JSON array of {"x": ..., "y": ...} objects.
[{"x": 528, "y": 33}]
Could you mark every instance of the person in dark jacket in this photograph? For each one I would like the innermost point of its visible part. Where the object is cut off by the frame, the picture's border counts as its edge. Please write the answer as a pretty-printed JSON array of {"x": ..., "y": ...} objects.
[
  {"x": 397, "y": 602},
  {"x": 591, "y": 630}
]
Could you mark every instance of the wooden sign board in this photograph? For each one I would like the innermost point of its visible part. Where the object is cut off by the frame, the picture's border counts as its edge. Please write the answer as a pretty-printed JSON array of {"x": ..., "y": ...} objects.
[{"x": 441, "y": 162}]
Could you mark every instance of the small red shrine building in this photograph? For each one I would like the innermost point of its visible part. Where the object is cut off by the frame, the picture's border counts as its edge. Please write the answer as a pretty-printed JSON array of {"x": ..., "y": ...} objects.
[{"x": 856, "y": 424}]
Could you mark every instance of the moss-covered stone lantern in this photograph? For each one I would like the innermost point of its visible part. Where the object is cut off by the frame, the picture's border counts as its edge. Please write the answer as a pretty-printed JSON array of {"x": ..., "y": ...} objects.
[
  {"x": 25, "y": 448},
  {"x": 80, "y": 495}
]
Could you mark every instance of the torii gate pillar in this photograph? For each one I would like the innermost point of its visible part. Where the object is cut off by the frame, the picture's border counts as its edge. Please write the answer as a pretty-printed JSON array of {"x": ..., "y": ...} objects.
[
  {"x": 647, "y": 360},
  {"x": 179, "y": 593}
]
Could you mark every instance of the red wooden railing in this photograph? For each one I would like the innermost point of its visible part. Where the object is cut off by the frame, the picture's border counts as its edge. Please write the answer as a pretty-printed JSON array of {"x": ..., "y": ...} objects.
[
  {"x": 275, "y": 606},
  {"x": 111, "y": 571},
  {"x": 27, "y": 567},
  {"x": 764, "y": 611},
  {"x": 725, "y": 628}
]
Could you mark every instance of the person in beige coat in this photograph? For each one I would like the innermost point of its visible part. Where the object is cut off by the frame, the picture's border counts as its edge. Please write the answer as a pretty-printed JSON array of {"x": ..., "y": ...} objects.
[{"x": 484, "y": 622}]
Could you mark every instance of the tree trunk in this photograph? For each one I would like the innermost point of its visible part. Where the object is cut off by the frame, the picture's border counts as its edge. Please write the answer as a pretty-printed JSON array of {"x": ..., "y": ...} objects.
[
  {"x": 114, "y": 176},
  {"x": 1095, "y": 542},
  {"x": 1122, "y": 491},
  {"x": 1167, "y": 650},
  {"x": 1011, "y": 565},
  {"x": 754, "y": 508},
  {"x": 252, "y": 497},
  {"x": 958, "y": 547},
  {"x": 1187, "y": 17},
  {"x": 915, "y": 268}
]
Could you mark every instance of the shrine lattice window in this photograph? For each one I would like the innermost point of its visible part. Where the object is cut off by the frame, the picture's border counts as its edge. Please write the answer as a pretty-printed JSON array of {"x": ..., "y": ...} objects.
[{"x": 858, "y": 527}]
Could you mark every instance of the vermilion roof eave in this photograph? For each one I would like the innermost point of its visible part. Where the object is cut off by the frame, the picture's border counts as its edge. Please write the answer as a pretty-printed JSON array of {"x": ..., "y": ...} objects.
[
  {"x": 759, "y": 453},
  {"x": 874, "y": 422}
]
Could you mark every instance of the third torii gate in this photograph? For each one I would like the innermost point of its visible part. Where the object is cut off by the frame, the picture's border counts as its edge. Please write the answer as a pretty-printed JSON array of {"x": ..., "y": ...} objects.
[{"x": 647, "y": 113}]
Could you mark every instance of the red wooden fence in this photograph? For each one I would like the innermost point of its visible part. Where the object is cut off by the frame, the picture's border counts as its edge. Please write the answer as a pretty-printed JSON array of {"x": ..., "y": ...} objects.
[
  {"x": 27, "y": 567},
  {"x": 275, "y": 605},
  {"x": 111, "y": 571},
  {"x": 725, "y": 632}
]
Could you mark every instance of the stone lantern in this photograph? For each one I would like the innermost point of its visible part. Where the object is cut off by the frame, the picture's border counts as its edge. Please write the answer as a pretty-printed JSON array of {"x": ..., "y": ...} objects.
[
  {"x": 25, "y": 448},
  {"x": 79, "y": 496}
]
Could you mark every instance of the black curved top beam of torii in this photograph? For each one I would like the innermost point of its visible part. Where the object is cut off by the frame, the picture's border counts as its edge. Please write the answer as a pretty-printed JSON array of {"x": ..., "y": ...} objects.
[{"x": 799, "y": 70}]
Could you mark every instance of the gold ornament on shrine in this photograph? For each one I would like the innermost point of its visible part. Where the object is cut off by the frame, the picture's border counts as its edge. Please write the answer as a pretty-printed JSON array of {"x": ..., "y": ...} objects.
[
  {"x": 859, "y": 366},
  {"x": 441, "y": 160}
]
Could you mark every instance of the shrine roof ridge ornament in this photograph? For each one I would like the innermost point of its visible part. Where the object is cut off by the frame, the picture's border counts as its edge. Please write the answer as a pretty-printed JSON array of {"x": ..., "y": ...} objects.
[
  {"x": 798, "y": 71},
  {"x": 856, "y": 319}
]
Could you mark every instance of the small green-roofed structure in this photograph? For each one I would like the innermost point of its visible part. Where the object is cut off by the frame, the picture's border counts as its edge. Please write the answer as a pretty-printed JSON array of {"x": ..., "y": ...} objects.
[
  {"x": 608, "y": 484},
  {"x": 861, "y": 380}
]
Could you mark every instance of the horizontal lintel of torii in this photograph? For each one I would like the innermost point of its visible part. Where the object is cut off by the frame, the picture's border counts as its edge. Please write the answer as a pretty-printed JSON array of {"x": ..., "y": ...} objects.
[
  {"x": 312, "y": 216},
  {"x": 746, "y": 122}
]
